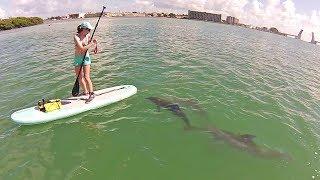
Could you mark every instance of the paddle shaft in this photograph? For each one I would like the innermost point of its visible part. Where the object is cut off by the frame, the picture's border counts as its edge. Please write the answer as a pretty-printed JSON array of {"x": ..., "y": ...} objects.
[
  {"x": 75, "y": 90},
  {"x": 96, "y": 94}
]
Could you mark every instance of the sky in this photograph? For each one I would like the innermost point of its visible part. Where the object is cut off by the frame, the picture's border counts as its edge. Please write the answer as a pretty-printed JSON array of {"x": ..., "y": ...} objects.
[{"x": 288, "y": 16}]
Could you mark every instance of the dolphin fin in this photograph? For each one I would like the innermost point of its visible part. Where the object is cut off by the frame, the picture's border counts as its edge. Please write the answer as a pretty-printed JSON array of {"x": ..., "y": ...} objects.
[
  {"x": 173, "y": 107},
  {"x": 247, "y": 137}
]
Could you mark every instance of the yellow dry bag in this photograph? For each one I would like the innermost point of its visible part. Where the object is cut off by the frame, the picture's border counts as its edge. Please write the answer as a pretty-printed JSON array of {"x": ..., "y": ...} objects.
[{"x": 49, "y": 105}]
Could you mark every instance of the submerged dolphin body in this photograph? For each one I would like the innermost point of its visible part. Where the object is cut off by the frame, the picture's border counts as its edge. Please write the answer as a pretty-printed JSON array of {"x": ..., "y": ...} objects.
[
  {"x": 173, "y": 107},
  {"x": 245, "y": 142},
  {"x": 242, "y": 142},
  {"x": 193, "y": 103}
]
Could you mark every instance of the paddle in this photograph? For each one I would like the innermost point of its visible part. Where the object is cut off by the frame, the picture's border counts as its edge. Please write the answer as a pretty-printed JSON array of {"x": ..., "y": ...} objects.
[
  {"x": 96, "y": 94},
  {"x": 76, "y": 86}
]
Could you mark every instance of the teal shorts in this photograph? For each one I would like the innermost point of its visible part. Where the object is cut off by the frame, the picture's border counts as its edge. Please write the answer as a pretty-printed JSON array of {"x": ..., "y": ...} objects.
[{"x": 78, "y": 60}]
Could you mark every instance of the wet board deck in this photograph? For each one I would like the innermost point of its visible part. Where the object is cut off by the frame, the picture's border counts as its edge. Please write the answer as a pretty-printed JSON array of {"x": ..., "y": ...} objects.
[{"x": 74, "y": 105}]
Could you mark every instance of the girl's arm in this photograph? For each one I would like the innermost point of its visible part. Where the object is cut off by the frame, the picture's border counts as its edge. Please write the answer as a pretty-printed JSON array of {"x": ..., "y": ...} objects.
[
  {"x": 95, "y": 49},
  {"x": 80, "y": 46}
]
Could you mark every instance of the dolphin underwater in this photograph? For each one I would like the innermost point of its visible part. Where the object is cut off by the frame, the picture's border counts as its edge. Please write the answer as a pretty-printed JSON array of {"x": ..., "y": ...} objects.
[
  {"x": 242, "y": 142},
  {"x": 173, "y": 107},
  {"x": 245, "y": 142},
  {"x": 193, "y": 103}
]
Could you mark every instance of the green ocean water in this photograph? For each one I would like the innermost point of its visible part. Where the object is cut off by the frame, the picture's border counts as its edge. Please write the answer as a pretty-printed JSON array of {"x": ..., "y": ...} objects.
[{"x": 238, "y": 80}]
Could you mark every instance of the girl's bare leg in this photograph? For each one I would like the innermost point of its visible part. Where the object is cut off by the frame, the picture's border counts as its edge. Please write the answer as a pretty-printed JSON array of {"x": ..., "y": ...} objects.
[
  {"x": 86, "y": 72},
  {"x": 81, "y": 79}
]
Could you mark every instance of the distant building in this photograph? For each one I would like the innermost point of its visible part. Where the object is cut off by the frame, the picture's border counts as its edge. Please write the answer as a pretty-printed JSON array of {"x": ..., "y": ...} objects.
[
  {"x": 265, "y": 29},
  {"x": 274, "y": 30},
  {"x": 134, "y": 14},
  {"x": 181, "y": 16},
  {"x": 76, "y": 16},
  {"x": 114, "y": 14},
  {"x": 154, "y": 14},
  {"x": 73, "y": 16},
  {"x": 81, "y": 15},
  {"x": 204, "y": 16},
  {"x": 58, "y": 18},
  {"x": 126, "y": 14},
  {"x": 232, "y": 20},
  {"x": 137, "y": 14}
]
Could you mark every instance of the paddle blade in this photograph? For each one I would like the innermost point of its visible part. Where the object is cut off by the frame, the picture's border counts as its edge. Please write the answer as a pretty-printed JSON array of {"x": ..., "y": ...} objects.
[{"x": 76, "y": 88}]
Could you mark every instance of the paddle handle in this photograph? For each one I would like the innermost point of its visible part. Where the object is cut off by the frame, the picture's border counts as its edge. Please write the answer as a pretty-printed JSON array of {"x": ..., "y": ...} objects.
[
  {"x": 97, "y": 23},
  {"x": 84, "y": 56}
]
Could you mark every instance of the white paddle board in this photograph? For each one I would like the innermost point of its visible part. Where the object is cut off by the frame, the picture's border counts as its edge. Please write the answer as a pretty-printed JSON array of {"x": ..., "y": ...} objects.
[{"x": 74, "y": 105}]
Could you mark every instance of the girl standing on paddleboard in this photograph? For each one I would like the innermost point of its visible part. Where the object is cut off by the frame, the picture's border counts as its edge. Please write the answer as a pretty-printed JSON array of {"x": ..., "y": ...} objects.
[{"x": 82, "y": 44}]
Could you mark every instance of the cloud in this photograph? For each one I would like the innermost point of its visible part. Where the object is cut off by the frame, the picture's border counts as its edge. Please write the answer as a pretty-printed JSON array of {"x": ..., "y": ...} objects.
[
  {"x": 289, "y": 7},
  {"x": 143, "y": 5},
  {"x": 2, "y": 13},
  {"x": 283, "y": 16},
  {"x": 179, "y": 4},
  {"x": 50, "y": 8},
  {"x": 228, "y": 7},
  {"x": 22, "y": 2},
  {"x": 271, "y": 13}
]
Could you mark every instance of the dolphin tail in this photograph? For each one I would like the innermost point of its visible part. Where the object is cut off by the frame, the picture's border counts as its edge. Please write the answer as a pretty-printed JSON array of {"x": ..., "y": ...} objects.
[{"x": 187, "y": 122}]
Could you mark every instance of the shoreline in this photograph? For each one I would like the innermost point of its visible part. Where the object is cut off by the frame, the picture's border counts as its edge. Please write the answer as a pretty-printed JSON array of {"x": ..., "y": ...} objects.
[
  {"x": 50, "y": 21},
  {"x": 19, "y": 22}
]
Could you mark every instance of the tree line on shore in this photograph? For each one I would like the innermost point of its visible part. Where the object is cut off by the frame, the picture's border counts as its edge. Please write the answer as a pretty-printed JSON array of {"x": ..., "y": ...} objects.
[{"x": 18, "y": 22}]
